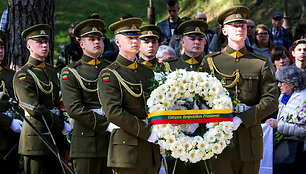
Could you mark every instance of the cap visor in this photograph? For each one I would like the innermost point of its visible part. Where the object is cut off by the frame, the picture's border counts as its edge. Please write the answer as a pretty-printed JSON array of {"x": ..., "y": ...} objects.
[
  {"x": 237, "y": 22},
  {"x": 136, "y": 33},
  {"x": 40, "y": 38}
]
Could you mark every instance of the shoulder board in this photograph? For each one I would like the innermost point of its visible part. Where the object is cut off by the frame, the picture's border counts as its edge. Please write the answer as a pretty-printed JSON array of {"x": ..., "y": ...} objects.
[
  {"x": 107, "y": 61},
  {"x": 170, "y": 60},
  {"x": 74, "y": 64},
  {"x": 65, "y": 71},
  {"x": 213, "y": 54},
  {"x": 113, "y": 66},
  {"x": 258, "y": 56}
]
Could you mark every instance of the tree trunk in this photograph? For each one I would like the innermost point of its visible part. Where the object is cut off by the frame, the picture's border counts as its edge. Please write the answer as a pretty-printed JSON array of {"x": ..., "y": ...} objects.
[{"x": 21, "y": 15}]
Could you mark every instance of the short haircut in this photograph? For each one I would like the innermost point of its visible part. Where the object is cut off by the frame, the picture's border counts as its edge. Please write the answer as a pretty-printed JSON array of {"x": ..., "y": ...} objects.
[
  {"x": 164, "y": 49},
  {"x": 278, "y": 52},
  {"x": 297, "y": 42},
  {"x": 172, "y": 3},
  {"x": 292, "y": 75}
]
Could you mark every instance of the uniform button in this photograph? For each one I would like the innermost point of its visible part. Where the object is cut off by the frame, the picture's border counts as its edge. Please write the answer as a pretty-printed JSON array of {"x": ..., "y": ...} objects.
[
  {"x": 82, "y": 133},
  {"x": 88, "y": 83},
  {"x": 238, "y": 91},
  {"x": 123, "y": 142}
]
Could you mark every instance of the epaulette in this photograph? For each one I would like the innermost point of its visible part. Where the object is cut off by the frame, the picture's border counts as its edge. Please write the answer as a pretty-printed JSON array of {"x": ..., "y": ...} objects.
[
  {"x": 74, "y": 64},
  {"x": 170, "y": 60},
  {"x": 113, "y": 66},
  {"x": 213, "y": 54},
  {"x": 258, "y": 56},
  {"x": 107, "y": 61}
]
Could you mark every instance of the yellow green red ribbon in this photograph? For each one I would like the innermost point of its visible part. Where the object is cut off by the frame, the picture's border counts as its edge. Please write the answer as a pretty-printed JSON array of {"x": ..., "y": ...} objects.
[{"x": 190, "y": 116}]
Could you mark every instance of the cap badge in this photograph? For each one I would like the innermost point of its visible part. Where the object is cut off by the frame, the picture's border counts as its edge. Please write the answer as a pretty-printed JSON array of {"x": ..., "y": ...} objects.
[
  {"x": 197, "y": 29},
  {"x": 42, "y": 32},
  {"x": 150, "y": 32},
  {"x": 133, "y": 27},
  {"x": 238, "y": 16},
  {"x": 94, "y": 29}
]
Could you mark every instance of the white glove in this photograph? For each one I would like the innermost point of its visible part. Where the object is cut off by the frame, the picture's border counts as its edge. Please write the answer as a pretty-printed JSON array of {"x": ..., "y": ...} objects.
[
  {"x": 237, "y": 121},
  {"x": 67, "y": 128},
  {"x": 111, "y": 127},
  {"x": 193, "y": 127},
  {"x": 16, "y": 125},
  {"x": 153, "y": 137}
]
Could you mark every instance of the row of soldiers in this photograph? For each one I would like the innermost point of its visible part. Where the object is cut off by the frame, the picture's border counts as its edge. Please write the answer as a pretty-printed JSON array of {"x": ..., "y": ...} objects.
[{"x": 107, "y": 103}]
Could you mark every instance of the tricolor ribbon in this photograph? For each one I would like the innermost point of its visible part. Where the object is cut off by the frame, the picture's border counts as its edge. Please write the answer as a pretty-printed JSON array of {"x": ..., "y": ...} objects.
[{"x": 190, "y": 116}]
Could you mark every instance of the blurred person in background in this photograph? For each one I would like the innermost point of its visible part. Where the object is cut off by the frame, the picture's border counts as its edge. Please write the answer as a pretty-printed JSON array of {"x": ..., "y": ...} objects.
[
  {"x": 280, "y": 58},
  {"x": 165, "y": 52},
  {"x": 299, "y": 53}
]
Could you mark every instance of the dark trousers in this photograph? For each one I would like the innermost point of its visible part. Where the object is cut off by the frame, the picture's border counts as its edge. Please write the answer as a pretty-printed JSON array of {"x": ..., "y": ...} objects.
[
  {"x": 42, "y": 164},
  {"x": 11, "y": 164},
  {"x": 298, "y": 167},
  {"x": 221, "y": 166},
  {"x": 183, "y": 168},
  {"x": 153, "y": 170},
  {"x": 91, "y": 166}
]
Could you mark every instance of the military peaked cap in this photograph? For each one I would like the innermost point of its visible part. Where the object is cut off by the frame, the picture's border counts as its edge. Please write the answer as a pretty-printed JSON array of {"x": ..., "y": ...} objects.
[
  {"x": 234, "y": 15},
  {"x": 2, "y": 37},
  {"x": 89, "y": 27},
  {"x": 195, "y": 27},
  {"x": 37, "y": 32},
  {"x": 129, "y": 26},
  {"x": 150, "y": 31}
]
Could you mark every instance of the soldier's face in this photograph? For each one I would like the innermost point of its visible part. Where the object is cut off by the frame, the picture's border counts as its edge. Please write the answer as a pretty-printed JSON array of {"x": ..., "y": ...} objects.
[
  {"x": 92, "y": 46},
  {"x": 299, "y": 52},
  {"x": 38, "y": 48},
  {"x": 128, "y": 44},
  {"x": 2, "y": 52},
  {"x": 235, "y": 32},
  {"x": 149, "y": 48},
  {"x": 193, "y": 46}
]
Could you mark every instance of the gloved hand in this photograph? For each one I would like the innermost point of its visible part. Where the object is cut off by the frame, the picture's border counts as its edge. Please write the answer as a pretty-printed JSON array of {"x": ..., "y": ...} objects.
[
  {"x": 237, "y": 121},
  {"x": 193, "y": 127},
  {"x": 111, "y": 127},
  {"x": 16, "y": 125},
  {"x": 153, "y": 137},
  {"x": 67, "y": 128}
]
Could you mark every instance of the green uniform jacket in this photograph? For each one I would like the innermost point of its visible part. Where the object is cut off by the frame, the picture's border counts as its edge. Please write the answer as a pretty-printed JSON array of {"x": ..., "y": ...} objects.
[
  {"x": 79, "y": 90},
  {"x": 256, "y": 88},
  {"x": 7, "y": 136},
  {"x": 124, "y": 105},
  {"x": 38, "y": 93},
  {"x": 186, "y": 62}
]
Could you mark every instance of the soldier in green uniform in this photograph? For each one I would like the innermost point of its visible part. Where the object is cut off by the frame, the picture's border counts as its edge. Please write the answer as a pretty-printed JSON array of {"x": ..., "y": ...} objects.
[
  {"x": 149, "y": 43},
  {"x": 36, "y": 83},
  {"x": 248, "y": 78},
  {"x": 121, "y": 89},
  {"x": 89, "y": 143},
  {"x": 193, "y": 43},
  {"x": 10, "y": 127}
]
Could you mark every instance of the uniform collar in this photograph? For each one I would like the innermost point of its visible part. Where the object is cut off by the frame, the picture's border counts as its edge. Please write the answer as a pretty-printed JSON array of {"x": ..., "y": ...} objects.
[
  {"x": 35, "y": 62},
  {"x": 90, "y": 60},
  {"x": 191, "y": 60},
  {"x": 152, "y": 62},
  {"x": 235, "y": 53},
  {"x": 126, "y": 62}
]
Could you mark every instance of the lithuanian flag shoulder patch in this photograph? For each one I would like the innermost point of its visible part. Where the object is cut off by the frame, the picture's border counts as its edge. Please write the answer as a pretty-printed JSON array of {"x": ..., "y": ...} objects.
[
  {"x": 65, "y": 77},
  {"x": 22, "y": 78},
  {"x": 106, "y": 77}
]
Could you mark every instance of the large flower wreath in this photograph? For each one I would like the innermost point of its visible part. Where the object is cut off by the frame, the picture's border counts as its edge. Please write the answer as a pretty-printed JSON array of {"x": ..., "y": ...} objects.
[{"x": 203, "y": 100}]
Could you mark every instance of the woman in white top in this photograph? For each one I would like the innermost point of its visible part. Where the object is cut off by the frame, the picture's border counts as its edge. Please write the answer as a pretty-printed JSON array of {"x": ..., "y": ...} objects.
[{"x": 292, "y": 83}]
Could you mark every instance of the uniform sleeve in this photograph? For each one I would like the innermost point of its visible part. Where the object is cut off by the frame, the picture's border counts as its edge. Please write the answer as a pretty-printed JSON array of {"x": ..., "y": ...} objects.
[
  {"x": 268, "y": 98},
  {"x": 110, "y": 95},
  {"x": 72, "y": 97},
  {"x": 27, "y": 92}
]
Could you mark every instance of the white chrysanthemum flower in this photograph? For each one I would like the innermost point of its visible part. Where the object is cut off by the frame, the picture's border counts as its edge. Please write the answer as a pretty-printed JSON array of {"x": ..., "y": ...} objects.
[{"x": 216, "y": 148}]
